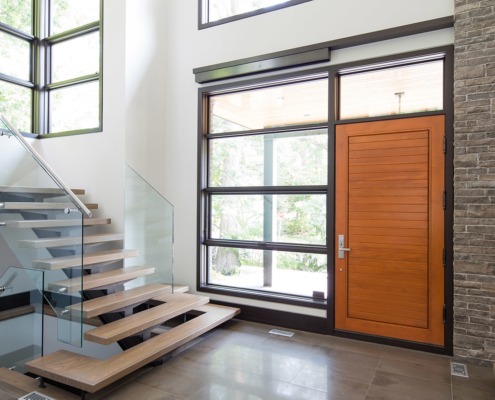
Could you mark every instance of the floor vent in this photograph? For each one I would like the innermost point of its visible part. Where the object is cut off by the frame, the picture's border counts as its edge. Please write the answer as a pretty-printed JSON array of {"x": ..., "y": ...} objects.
[
  {"x": 458, "y": 369},
  {"x": 281, "y": 333},
  {"x": 35, "y": 396}
]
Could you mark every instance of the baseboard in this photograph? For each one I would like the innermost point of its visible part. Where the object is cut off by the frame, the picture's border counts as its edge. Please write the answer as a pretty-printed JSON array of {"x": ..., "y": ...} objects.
[{"x": 283, "y": 319}]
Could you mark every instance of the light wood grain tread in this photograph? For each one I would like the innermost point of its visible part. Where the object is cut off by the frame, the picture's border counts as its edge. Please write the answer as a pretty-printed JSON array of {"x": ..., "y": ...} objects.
[
  {"x": 90, "y": 374},
  {"x": 70, "y": 240},
  {"x": 102, "y": 279},
  {"x": 130, "y": 297},
  {"x": 28, "y": 385},
  {"x": 50, "y": 191},
  {"x": 16, "y": 312},
  {"x": 57, "y": 223},
  {"x": 88, "y": 259},
  {"x": 34, "y": 205},
  {"x": 177, "y": 304}
]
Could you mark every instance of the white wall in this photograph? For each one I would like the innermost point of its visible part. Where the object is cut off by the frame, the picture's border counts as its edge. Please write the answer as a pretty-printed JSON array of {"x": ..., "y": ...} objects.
[
  {"x": 95, "y": 162},
  {"x": 150, "y": 97},
  {"x": 163, "y": 47}
]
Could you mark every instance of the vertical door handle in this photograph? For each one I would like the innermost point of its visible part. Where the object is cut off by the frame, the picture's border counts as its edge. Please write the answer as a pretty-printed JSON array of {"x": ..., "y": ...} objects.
[{"x": 342, "y": 249}]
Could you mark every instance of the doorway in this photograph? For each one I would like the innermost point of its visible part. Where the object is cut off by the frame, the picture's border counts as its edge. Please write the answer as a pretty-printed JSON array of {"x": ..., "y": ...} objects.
[{"x": 389, "y": 229}]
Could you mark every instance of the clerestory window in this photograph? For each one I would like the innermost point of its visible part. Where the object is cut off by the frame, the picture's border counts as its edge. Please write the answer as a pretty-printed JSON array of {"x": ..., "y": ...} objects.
[
  {"x": 216, "y": 12},
  {"x": 264, "y": 152},
  {"x": 50, "y": 74}
]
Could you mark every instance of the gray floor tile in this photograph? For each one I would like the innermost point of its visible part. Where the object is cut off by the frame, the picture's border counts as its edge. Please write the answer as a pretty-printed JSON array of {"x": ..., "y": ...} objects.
[
  {"x": 240, "y": 360},
  {"x": 468, "y": 393},
  {"x": 171, "y": 382},
  {"x": 356, "y": 346},
  {"x": 412, "y": 386},
  {"x": 303, "y": 393},
  {"x": 332, "y": 384},
  {"x": 383, "y": 393},
  {"x": 421, "y": 370},
  {"x": 334, "y": 366},
  {"x": 415, "y": 356},
  {"x": 485, "y": 385},
  {"x": 135, "y": 390},
  {"x": 215, "y": 391}
]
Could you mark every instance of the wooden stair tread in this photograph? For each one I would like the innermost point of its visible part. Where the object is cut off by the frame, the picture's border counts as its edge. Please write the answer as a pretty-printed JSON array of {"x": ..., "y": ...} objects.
[
  {"x": 88, "y": 259},
  {"x": 104, "y": 304},
  {"x": 28, "y": 385},
  {"x": 177, "y": 289},
  {"x": 57, "y": 223},
  {"x": 16, "y": 312},
  {"x": 35, "y": 205},
  {"x": 90, "y": 374},
  {"x": 25, "y": 189},
  {"x": 95, "y": 281},
  {"x": 70, "y": 240},
  {"x": 178, "y": 303}
]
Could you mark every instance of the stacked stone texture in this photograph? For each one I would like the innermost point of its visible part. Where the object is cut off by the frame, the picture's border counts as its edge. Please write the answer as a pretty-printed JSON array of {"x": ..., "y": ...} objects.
[{"x": 474, "y": 182}]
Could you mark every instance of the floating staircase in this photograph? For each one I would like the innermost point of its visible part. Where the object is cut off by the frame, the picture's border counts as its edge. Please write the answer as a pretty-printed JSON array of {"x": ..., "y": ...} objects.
[{"x": 148, "y": 312}]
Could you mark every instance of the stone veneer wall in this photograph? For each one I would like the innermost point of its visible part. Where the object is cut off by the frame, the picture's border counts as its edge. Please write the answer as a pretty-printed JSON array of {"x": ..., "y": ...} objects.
[{"x": 474, "y": 182}]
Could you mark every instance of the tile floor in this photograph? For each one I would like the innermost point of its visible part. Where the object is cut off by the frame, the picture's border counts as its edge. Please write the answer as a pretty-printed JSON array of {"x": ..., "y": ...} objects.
[{"x": 241, "y": 361}]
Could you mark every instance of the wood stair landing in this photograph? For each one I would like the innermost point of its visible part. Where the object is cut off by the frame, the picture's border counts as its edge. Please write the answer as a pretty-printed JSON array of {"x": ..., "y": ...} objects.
[
  {"x": 116, "y": 301},
  {"x": 88, "y": 259},
  {"x": 70, "y": 240},
  {"x": 178, "y": 304},
  {"x": 91, "y": 374},
  {"x": 95, "y": 281}
]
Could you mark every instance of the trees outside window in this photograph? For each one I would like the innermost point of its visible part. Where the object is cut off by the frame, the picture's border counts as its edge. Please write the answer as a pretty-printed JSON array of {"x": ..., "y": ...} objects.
[{"x": 265, "y": 192}]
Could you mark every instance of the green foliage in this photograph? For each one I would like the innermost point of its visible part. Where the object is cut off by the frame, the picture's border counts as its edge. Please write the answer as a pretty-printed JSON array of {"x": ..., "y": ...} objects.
[
  {"x": 300, "y": 262},
  {"x": 17, "y": 13}
]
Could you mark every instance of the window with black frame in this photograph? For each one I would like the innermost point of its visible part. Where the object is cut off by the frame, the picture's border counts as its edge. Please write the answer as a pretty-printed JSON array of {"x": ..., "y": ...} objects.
[
  {"x": 216, "y": 12},
  {"x": 264, "y": 198},
  {"x": 50, "y": 75}
]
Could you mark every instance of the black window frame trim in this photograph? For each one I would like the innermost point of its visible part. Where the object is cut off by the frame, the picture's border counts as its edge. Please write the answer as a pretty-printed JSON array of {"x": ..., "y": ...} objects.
[
  {"x": 40, "y": 68},
  {"x": 205, "y": 191},
  {"x": 202, "y": 12}
]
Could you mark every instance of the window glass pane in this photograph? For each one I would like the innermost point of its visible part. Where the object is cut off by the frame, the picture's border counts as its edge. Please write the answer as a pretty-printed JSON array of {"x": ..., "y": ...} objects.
[
  {"x": 15, "y": 56},
  {"x": 69, "y": 14},
  {"x": 276, "y": 106},
  {"x": 15, "y": 104},
  {"x": 76, "y": 57},
  {"x": 399, "y": 90},
  {"x": 219, "y": 9},
  {"x": 285, "y": 159},
  {"x": 75, "y": 107},
  {"x": 17, "y": 13},
  {"x": 294, "y": 218},
  {"x": 291, "y": 273}
]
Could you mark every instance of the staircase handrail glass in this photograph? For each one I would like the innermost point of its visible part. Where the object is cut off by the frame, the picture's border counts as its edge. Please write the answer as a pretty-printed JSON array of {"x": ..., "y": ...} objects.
[{"x": 43, "y": 164}]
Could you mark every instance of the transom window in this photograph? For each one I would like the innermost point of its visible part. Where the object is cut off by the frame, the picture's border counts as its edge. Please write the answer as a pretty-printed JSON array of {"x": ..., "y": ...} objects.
[
  {"x": 50, "y": 75},
  {"x": 264, "y": 195},
  {"x": 215, "y": 12}
]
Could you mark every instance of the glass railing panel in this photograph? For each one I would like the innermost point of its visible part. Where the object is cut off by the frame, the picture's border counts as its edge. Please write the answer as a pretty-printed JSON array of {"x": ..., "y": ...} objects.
[
  {"x": 21, "y": 315},
  {"x": 41, "y": 228},
  {"x": 149, "y": 223}
]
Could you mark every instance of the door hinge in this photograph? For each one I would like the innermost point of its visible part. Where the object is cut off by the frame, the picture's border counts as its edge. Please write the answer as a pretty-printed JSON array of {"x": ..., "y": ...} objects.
[
  {"x": 444, "y": 258},
  {"x": 444, "y": 314},
  {"x": 444, "y": 200},
  {"x": 445, "y": 145}
]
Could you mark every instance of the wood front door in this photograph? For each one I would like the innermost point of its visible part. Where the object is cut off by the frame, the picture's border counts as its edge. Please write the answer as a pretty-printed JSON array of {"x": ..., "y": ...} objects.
[{"x": 389, "y": 217}]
